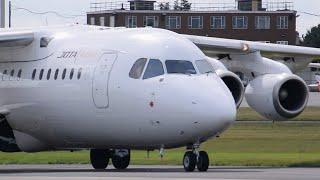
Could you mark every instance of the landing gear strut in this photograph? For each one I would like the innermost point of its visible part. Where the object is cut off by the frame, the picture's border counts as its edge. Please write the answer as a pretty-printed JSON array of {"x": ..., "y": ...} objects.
[{"x": 194, "y": 158}]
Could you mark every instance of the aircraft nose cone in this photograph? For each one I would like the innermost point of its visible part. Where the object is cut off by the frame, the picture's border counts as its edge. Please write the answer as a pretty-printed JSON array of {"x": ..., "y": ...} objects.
[{"x": 218, "y": 108}]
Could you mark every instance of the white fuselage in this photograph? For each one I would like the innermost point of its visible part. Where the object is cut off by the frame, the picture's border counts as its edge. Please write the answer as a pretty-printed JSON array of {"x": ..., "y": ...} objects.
[{"x": 97, "y": 104}]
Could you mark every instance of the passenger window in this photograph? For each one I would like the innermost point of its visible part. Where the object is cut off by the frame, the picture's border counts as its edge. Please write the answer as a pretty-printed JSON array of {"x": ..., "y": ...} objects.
[
  {"x": 180, "y": 67},
  {"x": 154, "y": 69},
  {"x": 79, "y": 73},
  {"x": 49, "y": 74},
  {"x": 71, "y": 73},
  {"x": 19, "y": 74},
  {"x": 12, "y": 73},
  {"x": 137, "y": 68},
  {"x": 64, "y": 74},
  {"x": 56, "y": 74},
  {"x": 41, "y": 74},
  {"x": 34, "y": 74},
  {"x": 204, "y": 67},
  {"x": 5, "y": 72}
]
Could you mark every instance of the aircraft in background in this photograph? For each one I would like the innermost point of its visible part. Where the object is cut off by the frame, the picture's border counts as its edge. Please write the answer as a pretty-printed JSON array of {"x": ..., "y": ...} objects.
[
  {"x": 113, "y": 90},
  {"x": 315, "y": 87}
]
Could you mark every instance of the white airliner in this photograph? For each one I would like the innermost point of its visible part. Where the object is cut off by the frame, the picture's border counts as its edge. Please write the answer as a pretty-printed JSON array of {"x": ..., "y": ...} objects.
[
  {"x": 315, "y": 87},
  {"x": 113, "y": 90}
]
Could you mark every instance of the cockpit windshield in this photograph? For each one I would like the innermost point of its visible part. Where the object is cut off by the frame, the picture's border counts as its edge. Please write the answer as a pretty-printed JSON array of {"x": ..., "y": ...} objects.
[
  {"x": 180, "y": 67},
  {"x": 204, "y": 67}
]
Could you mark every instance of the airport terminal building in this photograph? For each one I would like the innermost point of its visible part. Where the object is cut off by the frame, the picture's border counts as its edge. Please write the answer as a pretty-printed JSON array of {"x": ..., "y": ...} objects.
[{"x": 254, "y": 20}]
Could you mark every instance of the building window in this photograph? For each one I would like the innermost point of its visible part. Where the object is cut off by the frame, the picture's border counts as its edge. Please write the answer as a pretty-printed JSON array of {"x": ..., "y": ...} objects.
[
  {"x": 131, "y": 21},
  {"x": 283, "y": 42},
  {"x": 262, "y": 22},
  {"x": 173, "y": 22},
  {"x": 218, "y": 22},
  {"x": 195, "y": 22},
  {"x": 102, "y": 21},
  {"x": 150, "y": 21},
  {"x": 240, "y": 22},
  {"x": 282, "y": 22},
  {"x": 92, "y": 21}
]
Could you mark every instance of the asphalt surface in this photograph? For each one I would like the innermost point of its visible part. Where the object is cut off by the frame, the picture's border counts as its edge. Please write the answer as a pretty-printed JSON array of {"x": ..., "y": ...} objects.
[{"x": 84, "y": 172}]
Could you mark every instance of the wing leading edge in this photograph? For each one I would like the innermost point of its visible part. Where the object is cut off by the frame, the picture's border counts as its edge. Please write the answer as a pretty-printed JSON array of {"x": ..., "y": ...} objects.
[
  {"x": 16, "y": 39},
  {"x": 214, "y": 46}
]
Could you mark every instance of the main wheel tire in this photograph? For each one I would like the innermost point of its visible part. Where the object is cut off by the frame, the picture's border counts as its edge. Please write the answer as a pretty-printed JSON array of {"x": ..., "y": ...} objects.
[
  {"x": 120, "y": 162},
  {"x": 99, "y": 158},
  {"x": 203, "y": 161},
  {"x": 189, "y": 161}
]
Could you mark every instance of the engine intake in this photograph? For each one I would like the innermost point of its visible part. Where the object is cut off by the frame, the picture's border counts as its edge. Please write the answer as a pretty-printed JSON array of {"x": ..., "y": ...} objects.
[
  {"x": 278, "y": 96},
  {"x": 234, "y": 84}
]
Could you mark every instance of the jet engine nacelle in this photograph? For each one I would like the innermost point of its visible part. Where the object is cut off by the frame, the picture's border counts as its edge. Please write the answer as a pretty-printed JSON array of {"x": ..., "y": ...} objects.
[
  {"x": 234, "y": 84},
  {"x": 277, "y": 96},
  {"x": 232, "y": 81}
]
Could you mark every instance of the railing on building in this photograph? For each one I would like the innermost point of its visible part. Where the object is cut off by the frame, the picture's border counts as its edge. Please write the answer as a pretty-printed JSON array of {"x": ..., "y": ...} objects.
[{"x": 274, "y": 5}]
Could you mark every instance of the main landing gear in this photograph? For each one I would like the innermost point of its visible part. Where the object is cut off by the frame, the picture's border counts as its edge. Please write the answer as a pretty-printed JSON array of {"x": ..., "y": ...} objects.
[
  {"x": 194, "y": 158},
  {"x": 100, "y": 158}
]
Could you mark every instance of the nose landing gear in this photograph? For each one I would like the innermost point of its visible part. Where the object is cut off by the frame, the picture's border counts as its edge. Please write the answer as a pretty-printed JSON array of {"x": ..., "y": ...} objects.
[{"x": 194, "y": 158}]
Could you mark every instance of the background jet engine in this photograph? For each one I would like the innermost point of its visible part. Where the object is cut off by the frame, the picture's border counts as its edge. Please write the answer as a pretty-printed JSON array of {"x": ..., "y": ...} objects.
[
  {"x": 232, "y": 81},
  {"x": 234, "y": 84},
  {"x": 277, "y": 96}
]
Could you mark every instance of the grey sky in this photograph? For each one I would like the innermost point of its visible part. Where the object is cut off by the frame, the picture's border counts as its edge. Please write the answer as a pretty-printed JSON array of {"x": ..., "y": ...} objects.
[{"x": 80, "y": 7}]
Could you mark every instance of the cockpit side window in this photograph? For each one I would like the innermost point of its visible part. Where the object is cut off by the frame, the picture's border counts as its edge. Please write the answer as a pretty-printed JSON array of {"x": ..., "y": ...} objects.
[
  {"x": 180, "y": 67},
  {"x": 204, "y": 67},
  {"x": 137, "y": 68},
  {"x": 154, "y": 69}
]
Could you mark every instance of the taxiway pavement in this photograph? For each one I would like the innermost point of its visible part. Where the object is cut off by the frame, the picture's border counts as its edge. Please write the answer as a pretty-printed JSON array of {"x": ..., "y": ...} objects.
[{"x": 85, "y": 172}]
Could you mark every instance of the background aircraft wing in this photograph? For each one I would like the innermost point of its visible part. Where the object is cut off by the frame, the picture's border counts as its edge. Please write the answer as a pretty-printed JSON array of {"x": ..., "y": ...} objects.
[
  {"x": 16, "y": 39},
  {"x": 214, "y": 46}
]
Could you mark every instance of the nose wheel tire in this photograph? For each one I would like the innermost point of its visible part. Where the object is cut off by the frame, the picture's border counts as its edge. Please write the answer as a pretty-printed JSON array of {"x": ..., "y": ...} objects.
[
  {"x": 203, "y": 161},
  {"x": 121, "y": 159},
  {"x": 189, "y": 161},
  {"x": 99, "y": 158}
]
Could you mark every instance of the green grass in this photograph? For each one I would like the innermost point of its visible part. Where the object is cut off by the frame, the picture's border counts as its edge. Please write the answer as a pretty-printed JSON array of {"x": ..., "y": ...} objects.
[
  {"x": 244, "y": 144},
  {"x": 310, "y": 114}
]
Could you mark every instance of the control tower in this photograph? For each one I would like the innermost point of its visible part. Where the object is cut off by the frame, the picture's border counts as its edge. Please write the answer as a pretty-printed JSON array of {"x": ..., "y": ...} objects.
[{"x": 250, "y": 5}]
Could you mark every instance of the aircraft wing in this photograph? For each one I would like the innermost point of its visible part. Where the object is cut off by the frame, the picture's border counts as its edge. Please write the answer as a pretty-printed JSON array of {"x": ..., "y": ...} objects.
[
  {"x": 215, "y": 46},
  {"x": 16, "y": 39}
]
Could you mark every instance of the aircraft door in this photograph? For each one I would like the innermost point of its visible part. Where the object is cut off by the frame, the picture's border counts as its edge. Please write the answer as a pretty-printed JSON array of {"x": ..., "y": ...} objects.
[{"x": 101, "y": 80}]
